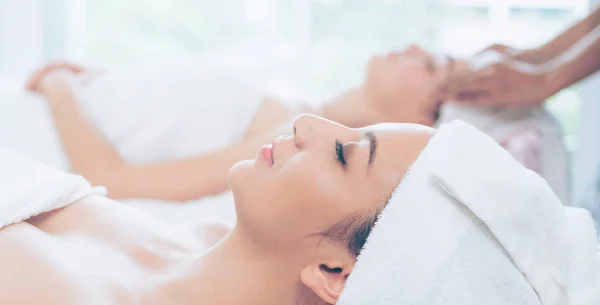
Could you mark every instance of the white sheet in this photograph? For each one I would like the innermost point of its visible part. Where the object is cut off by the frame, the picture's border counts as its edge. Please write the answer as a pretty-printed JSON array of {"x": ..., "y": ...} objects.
[
  {"x": 149, "y": 115},
  {"x": 29, "y": 188}
]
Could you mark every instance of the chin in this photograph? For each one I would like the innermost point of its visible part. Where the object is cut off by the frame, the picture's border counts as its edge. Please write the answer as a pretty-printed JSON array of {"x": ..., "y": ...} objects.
[{"x": 239, "y": 173}]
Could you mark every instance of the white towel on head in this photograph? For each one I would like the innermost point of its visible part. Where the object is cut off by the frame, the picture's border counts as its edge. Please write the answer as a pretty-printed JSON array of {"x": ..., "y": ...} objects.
[
  {"x": 532, "y": 135},
  {"x": 469, "y": 225},
  {"x": 29, "y": 188}
]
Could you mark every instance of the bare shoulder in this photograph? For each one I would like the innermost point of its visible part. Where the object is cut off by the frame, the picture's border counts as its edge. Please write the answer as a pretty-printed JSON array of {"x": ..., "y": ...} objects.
[
  {"x": 112, "y": 223},
  {"x": 93, "y": 211}
]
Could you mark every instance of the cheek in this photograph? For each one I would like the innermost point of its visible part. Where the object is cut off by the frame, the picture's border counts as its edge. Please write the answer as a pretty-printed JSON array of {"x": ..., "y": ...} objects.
[
  {"x": 408, "y": 73},
  {"x": 302, "y": 198},
  {"x": 388, "y": 79},
  {"x": 410, "y": 83},
  {"x": 305, "y": 195},
  {"x": 307, "y": 182}
]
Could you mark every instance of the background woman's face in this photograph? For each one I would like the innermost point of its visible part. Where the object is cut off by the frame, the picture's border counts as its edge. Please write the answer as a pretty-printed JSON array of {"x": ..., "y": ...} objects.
[
  {"x": 409, "y": 77},
  {"x": 323, "y": 174}
]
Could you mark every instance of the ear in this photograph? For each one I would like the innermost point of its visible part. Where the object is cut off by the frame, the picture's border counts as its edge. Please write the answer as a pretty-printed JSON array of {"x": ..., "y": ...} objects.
[{"x": 326, "y": 280}]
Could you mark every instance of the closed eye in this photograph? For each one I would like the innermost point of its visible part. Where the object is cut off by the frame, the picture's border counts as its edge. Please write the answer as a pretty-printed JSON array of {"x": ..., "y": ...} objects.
[
  {"x": 430, "y": 64},
  {"x": 339, "y": 153}
]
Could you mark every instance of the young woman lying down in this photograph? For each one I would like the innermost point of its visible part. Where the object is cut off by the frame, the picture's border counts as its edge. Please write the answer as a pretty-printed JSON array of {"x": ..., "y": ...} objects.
[
  {"x": 298, "y": 233},
  {"x": 305, "y": 207},
  {"x": 230, "y": 119}
]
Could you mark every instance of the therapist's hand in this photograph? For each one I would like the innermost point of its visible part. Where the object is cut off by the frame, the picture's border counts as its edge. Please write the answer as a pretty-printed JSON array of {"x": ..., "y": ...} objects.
[
  {"x": 508, "y": 84},
  {"x": 502, "y": 49}
]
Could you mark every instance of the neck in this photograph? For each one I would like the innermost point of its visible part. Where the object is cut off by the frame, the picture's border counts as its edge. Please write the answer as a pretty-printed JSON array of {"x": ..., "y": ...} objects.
[
  {"x": 357, "y": 108},
  {"x": 233, "y": 272}
]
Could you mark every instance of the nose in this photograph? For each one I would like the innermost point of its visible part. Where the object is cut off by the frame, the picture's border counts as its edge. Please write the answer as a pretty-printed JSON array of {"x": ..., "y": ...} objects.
[
  {"x": 394, "y": 54},
  {"x": 310, "y": 129},
  {"x": 304, "y": 129},
  {"x": 414, "y": 49}
]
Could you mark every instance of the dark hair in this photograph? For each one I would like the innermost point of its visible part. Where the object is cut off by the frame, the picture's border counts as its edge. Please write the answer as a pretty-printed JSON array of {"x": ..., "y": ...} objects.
[
  {"x": 358, "y": 238},
  {"x": 353, "y": 231}
]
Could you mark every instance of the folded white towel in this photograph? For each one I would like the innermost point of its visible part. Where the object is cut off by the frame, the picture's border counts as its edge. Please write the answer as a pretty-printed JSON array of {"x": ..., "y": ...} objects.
[
  {"x": 29, "y": 188},
  {"x": 469, "y": 225}
]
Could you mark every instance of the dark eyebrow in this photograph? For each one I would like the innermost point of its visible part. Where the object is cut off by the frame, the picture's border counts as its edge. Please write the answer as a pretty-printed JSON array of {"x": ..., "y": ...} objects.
[{"x": 372, "y": 146}]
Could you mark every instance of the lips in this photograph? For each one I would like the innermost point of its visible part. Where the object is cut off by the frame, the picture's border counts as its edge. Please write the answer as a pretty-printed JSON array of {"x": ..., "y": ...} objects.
[{"x": 267, "y": 154}]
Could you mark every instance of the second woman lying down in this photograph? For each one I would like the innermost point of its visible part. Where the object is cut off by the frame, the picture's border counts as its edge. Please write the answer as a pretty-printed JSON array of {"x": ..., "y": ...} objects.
[{"x": 230, "y": 119}]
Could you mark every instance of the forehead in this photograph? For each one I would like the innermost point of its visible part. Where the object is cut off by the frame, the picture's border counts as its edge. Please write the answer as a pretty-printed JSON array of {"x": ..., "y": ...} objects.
[{"x": 398, "y": 146}]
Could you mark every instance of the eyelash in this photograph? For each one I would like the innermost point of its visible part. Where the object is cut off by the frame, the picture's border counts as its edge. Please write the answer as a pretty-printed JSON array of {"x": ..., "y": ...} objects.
[
  {"x": 339, "y": 152},
  {"x": 430, "y": 65}
]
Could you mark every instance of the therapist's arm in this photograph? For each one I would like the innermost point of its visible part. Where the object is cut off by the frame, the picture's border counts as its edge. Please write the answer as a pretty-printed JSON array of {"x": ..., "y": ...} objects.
[
  {"x": 581, "y": 61},
  {"x": 92, "y": 156},
  {"x": 512, "y": 84},
  {"x": 562, "y": 42}
]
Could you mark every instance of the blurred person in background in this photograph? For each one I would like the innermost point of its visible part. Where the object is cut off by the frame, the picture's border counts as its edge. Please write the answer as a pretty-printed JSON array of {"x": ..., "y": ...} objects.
[
  {"x": 232, "y": 118},
  {"x": 527, "y": 78}
]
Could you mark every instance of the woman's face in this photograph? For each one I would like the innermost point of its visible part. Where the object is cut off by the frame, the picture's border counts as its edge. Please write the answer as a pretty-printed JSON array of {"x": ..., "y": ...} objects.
[
  {"x": 303, "y": 185},
  {"x": 409, "y": 78}
]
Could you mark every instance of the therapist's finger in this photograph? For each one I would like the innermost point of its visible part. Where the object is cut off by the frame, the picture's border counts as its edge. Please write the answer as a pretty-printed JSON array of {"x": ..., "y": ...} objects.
[
  {"x": 488, "y": 99},
  {"x": 455, "y": 79},
  {"x": 482, "y": 84},
  {"x": 458, "y": 78},
  {"x": 453, "y": 86},
  {"x": 470, "y": 96},
  {"x": 475, "y": 81},
  {"x": 510, "y": 99},
  {"x": 481, "y": 75}
]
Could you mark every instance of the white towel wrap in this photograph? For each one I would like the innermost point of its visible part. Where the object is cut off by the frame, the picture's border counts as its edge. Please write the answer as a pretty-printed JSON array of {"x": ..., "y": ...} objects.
[{"x": 469, "y": 225}]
